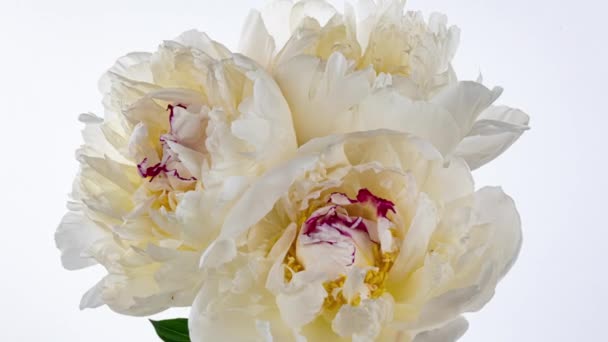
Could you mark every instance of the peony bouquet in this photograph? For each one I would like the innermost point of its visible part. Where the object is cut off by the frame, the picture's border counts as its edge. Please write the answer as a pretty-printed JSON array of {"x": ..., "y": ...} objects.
[{"x": 315, "y": 186}]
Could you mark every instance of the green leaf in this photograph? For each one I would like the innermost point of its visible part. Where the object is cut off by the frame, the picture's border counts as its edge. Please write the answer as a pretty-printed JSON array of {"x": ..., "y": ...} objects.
[{"x": 172, "y": 330}]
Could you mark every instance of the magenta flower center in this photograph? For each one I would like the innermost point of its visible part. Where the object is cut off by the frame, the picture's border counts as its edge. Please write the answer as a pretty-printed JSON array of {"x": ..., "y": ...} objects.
[
  {"x": 346, "y": 233},
  {"x": 166, "y": 169}
]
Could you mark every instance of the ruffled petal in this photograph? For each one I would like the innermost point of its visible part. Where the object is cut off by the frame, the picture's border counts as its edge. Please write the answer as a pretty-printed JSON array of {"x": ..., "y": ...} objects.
[
  {"x": 493, "y": 133},
  {"x": 388, "y": 109},
  {"x": 321, "y": 96},
  {"x": 256, "y": 42},
  {"x": 465, "y": 101},
  {"x": 365, "y": 321},
  {"x": 301, "y": 302},
  {"x": 450, "y": 332},
  {"x": 74, "y": 237}
]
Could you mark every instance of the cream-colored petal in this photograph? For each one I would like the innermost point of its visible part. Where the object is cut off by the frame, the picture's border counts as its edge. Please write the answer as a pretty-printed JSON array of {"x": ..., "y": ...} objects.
[
  {"x": 259, "y": 199},
  {"x": 465, "y": 101},
  {"x": 74, "y": 237},
  {"x": 191, "y": 159},
  {"x": 201, "y": 41},
  {"x": 444, "y": 308},
  {"x": 496, "y": 129},
  {"x": 496, "y": 212},
  {"x": 276, "y": 16},
  {"x": 256, "y": 42},
  {"x": 301, "y": 301},
  {"x": 389, "y": 110},
  {"x": 320, "y": 10},
  {"x": 415, "y": 243},
  {"x": 276, "y": 275},
  {"x": 216, "y": 318},
  {"x": 321, "y": 95},
  {"x": 134, "y": 65},
  {"x": 450, "y": 332},
  {"x": 93, "y": 297},
  {"x": 363, "y": 322},
  {"x": 447, "y": 183}
]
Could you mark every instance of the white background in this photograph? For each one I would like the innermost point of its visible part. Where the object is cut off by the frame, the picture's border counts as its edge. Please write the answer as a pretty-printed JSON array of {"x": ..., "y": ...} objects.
[{"x": 550, "y": 56}]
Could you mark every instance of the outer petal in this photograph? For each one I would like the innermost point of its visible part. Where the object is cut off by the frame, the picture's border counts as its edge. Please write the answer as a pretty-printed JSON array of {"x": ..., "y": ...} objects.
[
  {"x": 320, "y": 10},
  {"x": 389, "y": 110},
  {"x": 93, "y": 297},
  {"x": 465, "y": 101},
  {"x": 74, "y": 238},
  {"x": 494, "y": 132},
  {"x": 201, "y": 41},
  {"x": 496, "y": 211},
  {"x": 451, "y": 332},
  {"x": 277, "y": 15},
  {"x": 495, "y": 241},
  {"x": 256, "y": 42}
]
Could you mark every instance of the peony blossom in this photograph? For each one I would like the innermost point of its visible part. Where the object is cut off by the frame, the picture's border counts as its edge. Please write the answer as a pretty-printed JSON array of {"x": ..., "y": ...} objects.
[
  {"x": 185, "y": 130},
  {"x": 375, "y": 67},
  {"x": 363, "y": 236}
]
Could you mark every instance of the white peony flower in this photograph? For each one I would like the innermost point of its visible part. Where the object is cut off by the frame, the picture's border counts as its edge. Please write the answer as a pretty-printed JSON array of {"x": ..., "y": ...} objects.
[
  {"x": 378, "y": 67},
  {"x": 364, "y": 236},
  {"x": 185, "y": 130}
]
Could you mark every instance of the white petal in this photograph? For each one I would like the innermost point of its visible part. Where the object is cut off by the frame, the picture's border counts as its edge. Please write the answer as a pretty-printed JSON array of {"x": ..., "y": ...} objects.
[
  {"x": 301, "y": 304},
  {"x": 93, "y": 297},
  {"x": 450, "y": 332},
  {"x": 416, "y": 241},
  {"x": 74, "y": 237},
  {"x": 97, "y": 143},
  {"x": 220, "y": 252},
  {"x": 133, "y": 65},
  {"x": 259, "y": 199},
  {"x": 174, "y": 95},
  {"x": 390, "y": 110},
  {"x": 445, "y": 308},
  {"x": 363, "y": 322},
  {"x": 192, "y": 160},
  {"x": 276, "y": 17},
  {"x": 276, "y": 275},
  {"x": 495, "y": 220},
  {"x": 124, "y": 176},
  {"x": 255, "y": 131},
  {"x": 200, "y": 40},
  {"x": 497, "y": 213},
  {"x": 448, "y": 183},
  {"x": 216, "y": 317},
  {"x": 494, "y": 132},
  {"x": 355, "y": 284},
  {"x": 195, "y": 218},
  {"x": 465, "y": 101},
  {"x": 320, "y": 96},
  {"x": 256, "y": 42},
  {"x": 320, "y": 10}
]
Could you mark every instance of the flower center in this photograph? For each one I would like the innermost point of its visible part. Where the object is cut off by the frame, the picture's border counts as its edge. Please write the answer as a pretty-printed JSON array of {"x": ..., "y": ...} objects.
[
  {"x": 160, "y": 162},
  {"x": 347, "y": 239}
]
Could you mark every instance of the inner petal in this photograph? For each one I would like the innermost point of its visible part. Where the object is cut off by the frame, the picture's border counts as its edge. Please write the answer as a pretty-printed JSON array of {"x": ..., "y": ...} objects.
[{"x": 334, "y": 239}]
